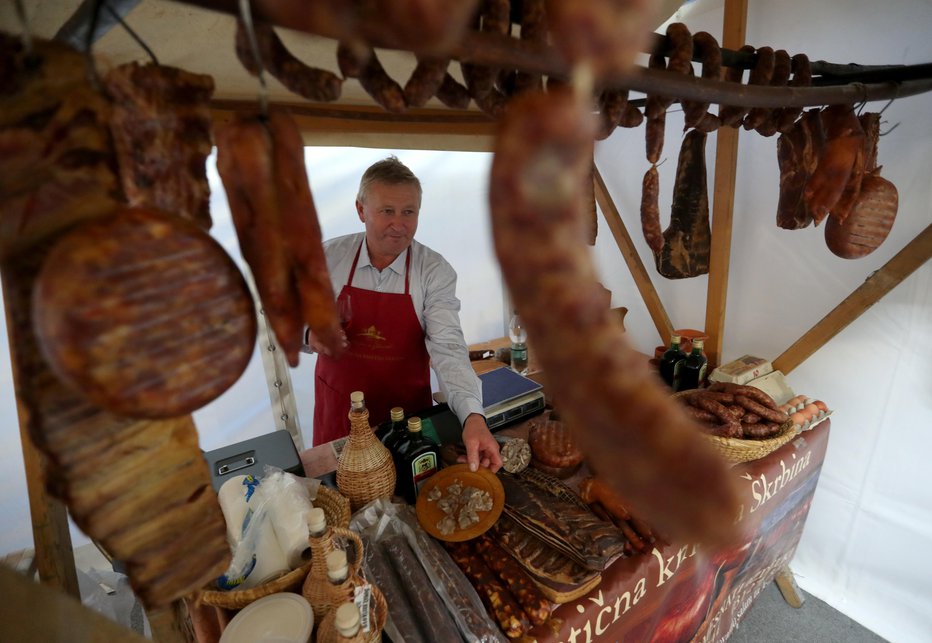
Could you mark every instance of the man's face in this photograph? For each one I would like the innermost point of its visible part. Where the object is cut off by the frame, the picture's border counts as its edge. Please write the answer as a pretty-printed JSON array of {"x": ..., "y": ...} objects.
[{"x": 390, "y": 214}]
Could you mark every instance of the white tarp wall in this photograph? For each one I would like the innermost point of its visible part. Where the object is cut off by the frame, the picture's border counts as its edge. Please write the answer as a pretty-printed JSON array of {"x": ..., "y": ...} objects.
[{"x": 865, "y": 546}]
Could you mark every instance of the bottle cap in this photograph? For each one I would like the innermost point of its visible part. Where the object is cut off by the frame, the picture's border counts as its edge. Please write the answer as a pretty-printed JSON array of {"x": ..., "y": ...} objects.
[
  {"x": 357, "y": 399},
  {"x": 698, "y": 343},
  {"x": 397, "y": 413},
  {"x": 336, "y": 565},
  {"x": 346, "y": 619},
  {"x": 316, "y": 520},
  {"x": 674, "y": 339},
  {"x": 414, "y": 424}
]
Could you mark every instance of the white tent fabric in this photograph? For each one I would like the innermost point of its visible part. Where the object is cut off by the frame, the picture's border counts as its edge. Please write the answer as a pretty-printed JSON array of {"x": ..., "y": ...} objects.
[{"x": 864, "y": 548}]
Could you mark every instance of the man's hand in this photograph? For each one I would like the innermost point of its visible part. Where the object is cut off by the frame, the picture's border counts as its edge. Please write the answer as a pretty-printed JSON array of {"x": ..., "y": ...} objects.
[
  {"x": 481, "y": 448},
  {"x": 312, "y": 345}
]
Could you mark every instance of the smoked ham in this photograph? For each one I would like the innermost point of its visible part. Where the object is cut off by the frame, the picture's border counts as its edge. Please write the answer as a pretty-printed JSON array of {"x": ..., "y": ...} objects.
[
  {"x": 161, "y": 133},
  {"x": 844, "y": 142},
  {"x": 869, "y": 222},
  {"x": 798, "y": 151},
  {"x": 687, "y": 241}
]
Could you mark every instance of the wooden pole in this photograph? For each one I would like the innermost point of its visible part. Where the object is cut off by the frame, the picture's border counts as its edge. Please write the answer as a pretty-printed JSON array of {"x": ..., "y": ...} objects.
[
  {"x": 723, "y": 200},
  {"x": 902, "y": 265},
  {"x": 632, "y": 259},
  {"x": 54, "y": 556}
]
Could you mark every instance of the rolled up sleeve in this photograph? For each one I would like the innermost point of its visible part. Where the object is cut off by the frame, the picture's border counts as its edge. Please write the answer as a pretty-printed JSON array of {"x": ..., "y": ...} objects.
[{"x": 446, "y": 344}]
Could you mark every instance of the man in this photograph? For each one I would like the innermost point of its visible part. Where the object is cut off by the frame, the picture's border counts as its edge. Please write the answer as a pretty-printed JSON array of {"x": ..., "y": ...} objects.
[{"x": 400, "y": 312}]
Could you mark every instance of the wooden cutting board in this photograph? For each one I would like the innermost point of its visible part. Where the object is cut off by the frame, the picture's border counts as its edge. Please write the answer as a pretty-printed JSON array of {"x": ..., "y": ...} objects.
[{"x": 144, "y": 313}]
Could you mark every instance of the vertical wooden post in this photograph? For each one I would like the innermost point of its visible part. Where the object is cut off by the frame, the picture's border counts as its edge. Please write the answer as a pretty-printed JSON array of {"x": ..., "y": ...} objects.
[
  {"x": 54, "y": 555},
  {"x": 723, "y": 199}
]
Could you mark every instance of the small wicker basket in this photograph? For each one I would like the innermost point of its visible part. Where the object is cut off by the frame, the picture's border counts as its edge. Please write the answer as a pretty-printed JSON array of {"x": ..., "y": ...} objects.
[
  {"x": 735, "y": 450},
  {"x": 337, "y": 509},
  {"x": 326, "y": 632}
]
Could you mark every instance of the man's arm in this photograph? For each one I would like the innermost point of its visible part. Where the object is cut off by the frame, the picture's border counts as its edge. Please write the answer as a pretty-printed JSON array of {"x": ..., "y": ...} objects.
[{"x": 450, "y": 360}]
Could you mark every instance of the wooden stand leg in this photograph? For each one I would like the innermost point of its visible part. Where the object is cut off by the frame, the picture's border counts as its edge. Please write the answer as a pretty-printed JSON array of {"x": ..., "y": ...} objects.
[{"x": 788, "y": 587}]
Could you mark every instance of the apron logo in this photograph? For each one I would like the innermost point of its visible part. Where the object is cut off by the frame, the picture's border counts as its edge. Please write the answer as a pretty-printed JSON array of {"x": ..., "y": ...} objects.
[{"x": 372, "y": 333}]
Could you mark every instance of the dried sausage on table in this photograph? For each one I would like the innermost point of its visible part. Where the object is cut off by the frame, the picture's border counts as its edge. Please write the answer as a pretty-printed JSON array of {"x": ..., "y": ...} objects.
[
  {"x": 497, "y": 600},
  {"x": 437, "y": 623},
  {"x": 534, "y": 604},
  {"x": 633, "y": 435}
]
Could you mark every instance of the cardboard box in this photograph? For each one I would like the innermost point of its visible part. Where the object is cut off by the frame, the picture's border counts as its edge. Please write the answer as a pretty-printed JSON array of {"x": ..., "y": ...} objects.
[
  {"x": 774, "y": 385},
  {"x": 742, "y": 370}
]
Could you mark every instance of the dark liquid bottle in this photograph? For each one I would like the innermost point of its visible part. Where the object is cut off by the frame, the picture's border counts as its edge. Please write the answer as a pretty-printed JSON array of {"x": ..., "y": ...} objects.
[
  {"x": 690, "y": 373},
  {"x": 418, "y": 459},
  {"x": 670, "y": 359},
  {"x": 391, "y": 431}
]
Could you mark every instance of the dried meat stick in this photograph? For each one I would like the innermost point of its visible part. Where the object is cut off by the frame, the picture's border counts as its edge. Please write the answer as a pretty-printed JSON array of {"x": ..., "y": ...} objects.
[
  {"x": 632, "y": 432},
  {"x": 310, "y": 82}
]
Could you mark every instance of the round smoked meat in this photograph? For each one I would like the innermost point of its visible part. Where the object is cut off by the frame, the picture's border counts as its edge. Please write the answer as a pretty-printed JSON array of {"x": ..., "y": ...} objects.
[
  {"x": 144, "y": 313},
  {"x": 868, "y": 223},
  {"x": 553, "y": 448}
]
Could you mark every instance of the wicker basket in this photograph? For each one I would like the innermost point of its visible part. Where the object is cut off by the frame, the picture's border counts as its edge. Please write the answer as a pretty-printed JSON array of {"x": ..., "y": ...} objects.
[
  {"x": 735, "y": 450},
  {"x": 337, "y": 509},
  {"x": 365, "y": 470},
  {"x": 326, "y": 632}
]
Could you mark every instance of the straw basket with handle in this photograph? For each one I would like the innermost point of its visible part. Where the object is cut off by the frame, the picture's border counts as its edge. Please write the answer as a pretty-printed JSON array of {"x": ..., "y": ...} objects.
[
  {"x": 317, "y": 588},
  {"x": 378, "y": 613},
  {"x": 337, "y": 510},
  {"x": 365, "y": 470}
]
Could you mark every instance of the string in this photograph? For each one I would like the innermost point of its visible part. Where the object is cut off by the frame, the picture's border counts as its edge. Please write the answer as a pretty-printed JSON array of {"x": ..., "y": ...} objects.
[
  {"x": 27, "y": 36},
  {"x": 130, "y": 31},
  {"x": 246, "y": 15}
]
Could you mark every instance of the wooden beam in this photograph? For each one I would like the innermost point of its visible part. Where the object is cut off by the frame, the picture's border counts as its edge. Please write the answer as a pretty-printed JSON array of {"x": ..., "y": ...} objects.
[
  {"x": 723, "y": 201},
  {"x": 503, "y": 51},
  {"x": 54, "y": 555},
  {"x": 630, "y": 254},
  {"x": 902, "y": 265},
  {"x": 366, "y": 126}
]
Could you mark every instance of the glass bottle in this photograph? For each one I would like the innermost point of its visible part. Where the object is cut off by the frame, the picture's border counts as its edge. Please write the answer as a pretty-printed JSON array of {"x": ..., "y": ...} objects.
[
  {"x": 365, "y": 470},
  {"x": 690, "y": 372},
  {"x": 393, "y": 430},
  {"x": 418, "y": 459},
  {"x": 670, "y": 359},
  {"x": 518, "y": 335}
]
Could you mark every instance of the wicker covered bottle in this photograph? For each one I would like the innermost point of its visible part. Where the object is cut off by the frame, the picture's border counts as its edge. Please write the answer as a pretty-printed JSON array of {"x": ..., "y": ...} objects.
[
  {"x": 323, "y": 541},
  {"x": 365, "y": 470}
]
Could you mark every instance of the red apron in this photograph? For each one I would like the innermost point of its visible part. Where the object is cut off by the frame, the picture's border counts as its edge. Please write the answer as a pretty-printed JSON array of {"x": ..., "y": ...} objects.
[{"x": 386, "y": 359}]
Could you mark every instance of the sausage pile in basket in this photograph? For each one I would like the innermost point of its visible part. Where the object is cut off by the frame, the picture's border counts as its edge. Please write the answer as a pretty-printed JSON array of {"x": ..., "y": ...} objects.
[{"x": 735, "y": 411}]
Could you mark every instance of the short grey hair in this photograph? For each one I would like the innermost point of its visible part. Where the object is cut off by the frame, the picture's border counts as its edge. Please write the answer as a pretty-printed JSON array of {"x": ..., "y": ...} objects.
[{"x": 390, "y": 171}]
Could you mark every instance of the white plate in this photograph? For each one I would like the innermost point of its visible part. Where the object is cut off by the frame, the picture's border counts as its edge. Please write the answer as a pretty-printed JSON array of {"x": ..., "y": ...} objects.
[{"x": 277, "y": 618}]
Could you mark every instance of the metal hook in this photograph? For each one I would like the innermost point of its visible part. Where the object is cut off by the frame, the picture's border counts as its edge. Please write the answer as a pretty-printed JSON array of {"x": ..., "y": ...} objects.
[
  {"x": 889, "y": 130},
  {"x": 130, "y": 31},
  {"x": 889, "y": 102},
  {"x": 246, "y": 16}
]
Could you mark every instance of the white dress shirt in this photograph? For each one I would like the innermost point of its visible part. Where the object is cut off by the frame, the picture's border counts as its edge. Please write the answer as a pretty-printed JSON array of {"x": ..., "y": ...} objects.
[{"x": 432, "y": 286}]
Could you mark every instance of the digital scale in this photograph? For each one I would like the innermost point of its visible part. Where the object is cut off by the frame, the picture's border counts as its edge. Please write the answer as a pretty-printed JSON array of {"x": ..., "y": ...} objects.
[{"x": 508, "y": 396}]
